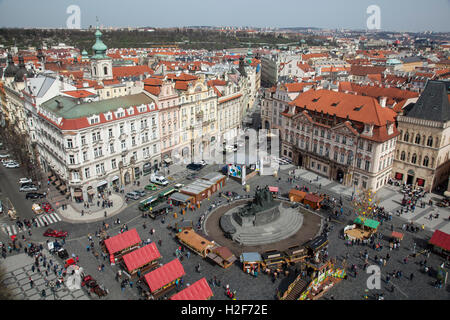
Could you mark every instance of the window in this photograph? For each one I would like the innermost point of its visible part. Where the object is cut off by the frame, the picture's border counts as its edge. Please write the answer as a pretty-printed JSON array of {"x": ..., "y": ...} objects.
[
  {"x": 132, "y": 126},
  {"x": 75, "y": 175},
  {"x": 111, "y": 147},
  {"x": 69, "y": 143},
  {"x": 71, "y": 159},
  {"x": 97, "y": 152},
  {"x": 123, "y": 144},
  {"x": 367, "y": 166},
  {"x": 154, "y": 148},
  {"x": 425, "y": 161},
  {"x": 87, "y": 173},
  {"x": 406, "y": 137},
  {"x": 96, "y": 136},
  {"x": 335, "y": 156},
  {"x": 83, "y": 140},
  {"x": 113, "y": 164},
  {"x": 121, "y": 130},
  {"x": 313, "y": 164},
  {"x": 344, "y": 140},
  {"x": 85, "y": 156},
  {"x": 342, "y": 158},
  {"x": 143, "y": 123},
  {"x": 369, "y": 147},
  {"x": 110, "y": 132},
  {"x": 133, "y": 141},
  {"x": 350, "y": 158},
  {"x": 361, "y": 144},
  {"x": 337, "y": 138},
  {"x": 100, "y": 168},
  {"x": 358, "y": 163},
  {"x": 403, "y": 156},
  {"x": 418, "y": 138},
  {"x": 105, "y": 70},
  {"x": 414, "y": 158},
  {"x": 430, "y": 141},
  {"x": 364, "y": 184}
]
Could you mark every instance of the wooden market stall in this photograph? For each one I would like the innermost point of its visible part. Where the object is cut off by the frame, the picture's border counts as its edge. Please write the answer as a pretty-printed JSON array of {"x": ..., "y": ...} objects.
[
  {"x": 296, "y": 254},
  {"x": 195, "y": 242},
  {"x": 222, "y": 256},
  {"x": 163, "y": 280},
  {"x": 204, "y": 187},
  {"x": 121, "y": 244},
  {"x": 181, "y": 199},
  {"x": 274, "y": 191},
  {"x": 273, "y": 259},
  {"x": 312, "y": 200},
  {"x": 397, "y": 235},
  {"x": 199, "y": 290},
  {"x": 296, "y": 195},
  {"x": 141, "y": 260},
  {"x": 362, "y": 228},
  {"x": 440, "y": 242},
  {"x": 251, "y": 261}
]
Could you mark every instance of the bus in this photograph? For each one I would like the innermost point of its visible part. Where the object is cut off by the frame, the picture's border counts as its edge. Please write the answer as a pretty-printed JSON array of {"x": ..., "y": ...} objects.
[
  {"x": 145, "y": 205},
  {"x": 164, "y": 194}
]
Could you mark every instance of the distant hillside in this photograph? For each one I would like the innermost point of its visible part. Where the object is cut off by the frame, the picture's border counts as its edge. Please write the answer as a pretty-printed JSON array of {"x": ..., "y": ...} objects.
[{"x": 184, "y": 38}]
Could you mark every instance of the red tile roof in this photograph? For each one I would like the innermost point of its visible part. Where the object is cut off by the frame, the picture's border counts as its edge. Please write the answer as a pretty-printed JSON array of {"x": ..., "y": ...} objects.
[
  {"x": 122, "y": 241},
  {"x": 365, "y": 70},
  {"x": 199, "y": 290},
  {"x": 440, "y": 239},
  {"x": 141, "y": 256},
  {"x": 164, "y": 275},
  {"x": 130, "y": 71},
  {"x": 79, "y": 93}
]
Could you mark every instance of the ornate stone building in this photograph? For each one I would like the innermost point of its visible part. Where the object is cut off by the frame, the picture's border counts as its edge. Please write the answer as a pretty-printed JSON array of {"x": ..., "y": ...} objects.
[{"x": 422, "y": 155}]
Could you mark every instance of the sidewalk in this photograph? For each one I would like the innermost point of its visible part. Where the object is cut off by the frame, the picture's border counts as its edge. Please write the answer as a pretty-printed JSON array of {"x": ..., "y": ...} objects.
[
  {"x": 94, "y": 213},
  {"x": 390, "y": 198}
]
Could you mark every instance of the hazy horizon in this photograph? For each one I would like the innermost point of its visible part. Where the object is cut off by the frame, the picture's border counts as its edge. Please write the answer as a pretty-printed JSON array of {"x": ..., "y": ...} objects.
[{"x": 396, "y": 16}]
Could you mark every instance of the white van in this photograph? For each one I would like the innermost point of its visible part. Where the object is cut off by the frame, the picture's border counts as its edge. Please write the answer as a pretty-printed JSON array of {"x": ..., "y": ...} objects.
[{"x": 159, "y": 180}]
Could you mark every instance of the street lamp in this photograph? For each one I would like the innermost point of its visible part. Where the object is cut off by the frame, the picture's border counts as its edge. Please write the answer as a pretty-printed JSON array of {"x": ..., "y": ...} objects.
[{"x": 52, "y": 285}]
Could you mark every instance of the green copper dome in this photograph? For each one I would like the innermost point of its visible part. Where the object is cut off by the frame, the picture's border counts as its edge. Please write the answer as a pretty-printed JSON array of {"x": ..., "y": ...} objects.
[{"x": 99, "y": 47}]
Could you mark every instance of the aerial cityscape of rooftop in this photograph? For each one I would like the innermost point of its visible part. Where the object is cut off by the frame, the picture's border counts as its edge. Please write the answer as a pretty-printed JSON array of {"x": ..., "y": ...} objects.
[{"x": 224, "y": 151}]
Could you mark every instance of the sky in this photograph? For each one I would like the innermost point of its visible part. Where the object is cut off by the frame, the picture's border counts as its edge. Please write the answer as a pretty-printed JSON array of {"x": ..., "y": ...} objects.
[{"x": 395, "y": 15}]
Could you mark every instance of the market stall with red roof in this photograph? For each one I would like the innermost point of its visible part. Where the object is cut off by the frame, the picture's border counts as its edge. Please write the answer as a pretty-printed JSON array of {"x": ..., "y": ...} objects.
[
  {"x": 441, "y": 242},
  {"x": 199, "y": 290},
  {"x": 121, "y": 244},
  {"x": 141, "y": 260},
  {"x": 162, "y": 280}
]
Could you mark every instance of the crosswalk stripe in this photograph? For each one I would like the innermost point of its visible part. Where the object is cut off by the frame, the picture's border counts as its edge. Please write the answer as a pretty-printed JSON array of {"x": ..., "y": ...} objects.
[
  {"x": 8, "y": 229},
  {"x": 14, "y": 230},
  {"x": 57, "y": 217},
  {"x": 44, "y": 220},
  {"x": 52, "y": 218}
]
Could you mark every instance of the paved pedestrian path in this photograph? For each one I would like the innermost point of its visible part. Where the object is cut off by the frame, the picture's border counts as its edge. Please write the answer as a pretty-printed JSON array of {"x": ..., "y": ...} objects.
[
  {"x": 42, "y": 220},
  {"x": 390, "y": 198},
  {"x": 18, "y": 271}
]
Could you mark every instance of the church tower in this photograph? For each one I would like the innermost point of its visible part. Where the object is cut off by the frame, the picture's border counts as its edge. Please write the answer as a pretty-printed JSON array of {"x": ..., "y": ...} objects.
[{"x": 101, "y": 64}]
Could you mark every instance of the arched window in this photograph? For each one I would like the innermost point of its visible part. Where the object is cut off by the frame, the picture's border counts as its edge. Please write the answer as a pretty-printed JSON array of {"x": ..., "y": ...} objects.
[
  {"x": 403, "y": 156},
  {"x": 418, "y": 138},
  {"x": 425, "y": 161},
  {"x": 414, "y": 158},
  {"x": 406, "y": 137},
  {"x": 430, "y": 141},
  {"x": 105, "y": 70},
  {"x": 95, "y": 70}
]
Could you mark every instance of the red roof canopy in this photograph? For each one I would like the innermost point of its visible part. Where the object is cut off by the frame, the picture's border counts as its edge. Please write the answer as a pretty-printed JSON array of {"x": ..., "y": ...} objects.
[
  {"x": 141, "y": 256},
  {"x": 441, "y": 239},
  {"x": 199, "y": 290},
  {"x": 164, "y": 275},
  {"x": 122, "y": 241},
  {"x": 273, "y": 189}
]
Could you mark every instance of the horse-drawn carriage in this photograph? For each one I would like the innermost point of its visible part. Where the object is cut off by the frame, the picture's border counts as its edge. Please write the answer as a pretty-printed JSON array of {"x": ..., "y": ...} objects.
[{"x": 92, "y": 286}]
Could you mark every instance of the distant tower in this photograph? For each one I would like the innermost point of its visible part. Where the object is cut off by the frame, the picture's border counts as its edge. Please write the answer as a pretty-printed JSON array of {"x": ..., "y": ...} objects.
[{"x": 101, "y": 64}]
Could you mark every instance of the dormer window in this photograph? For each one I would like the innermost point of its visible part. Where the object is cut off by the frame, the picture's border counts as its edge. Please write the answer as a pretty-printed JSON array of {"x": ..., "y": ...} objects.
[{"x": 130, "y": 111}]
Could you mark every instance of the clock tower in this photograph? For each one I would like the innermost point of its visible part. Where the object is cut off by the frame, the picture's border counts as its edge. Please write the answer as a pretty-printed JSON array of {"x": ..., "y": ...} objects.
[{"x": 101, "y": 64}]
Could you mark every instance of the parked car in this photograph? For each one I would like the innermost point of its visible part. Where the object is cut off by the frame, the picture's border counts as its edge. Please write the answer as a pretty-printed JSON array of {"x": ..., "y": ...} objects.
[
  {"x": 11, "y": 165},
  {"x": 150, "y": 187},
  {"x": 25, "y": 180},
  {"x": 141, "y": 193},
  {"x": 132, "y": 195},
  {"x": 192, "y": 176},
  {"x": 55, "y": 233},
  {"x": 159, "y": 180},
  {"x": 178, "y": 186},
  {"x": 28, "y": 188},
  {"x": 4, "y": 156},
  {"x": 194, "y": 166},
  {"x": 34, "y": 195}
]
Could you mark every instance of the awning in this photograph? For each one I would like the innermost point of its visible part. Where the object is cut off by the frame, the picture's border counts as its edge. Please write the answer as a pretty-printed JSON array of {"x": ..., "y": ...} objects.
[
  {"x": 102, "y": 183},
  {"x": 90, "y": 192},
  {"x": 168, "y": 160},
  {"x": 199, "y": 290},
  {"x": 114, "y": 178},
  {"x": 273, "y": 189},
  {"x": 164, "y": 275},
  {"x": 180, "y": 197},
  {"x": 57, "y": 183},
  {"x": 250, "y": 257},
  {"x": 141, "y": 256},
  {"x": 397, "y": 235},
  {"x": 78, "y": 194},
  {"x": 367, "y": 222},
  {"x": 122, "y": 241},
  {"x": 441, "y": 239}
]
